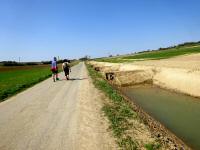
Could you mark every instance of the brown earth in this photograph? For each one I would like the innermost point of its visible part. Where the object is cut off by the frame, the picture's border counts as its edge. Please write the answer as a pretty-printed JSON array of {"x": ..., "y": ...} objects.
[
  {"x": 190, "y": 62},
  {"x": 181, "y": 74}
]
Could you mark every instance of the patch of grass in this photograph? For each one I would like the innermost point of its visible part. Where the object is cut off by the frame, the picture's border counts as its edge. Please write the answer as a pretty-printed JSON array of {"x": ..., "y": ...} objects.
[
  {"x": 152, "y": 55},
  {"x": 165, "y": 53},
  {"x": 113, "y": 60},
  {"x": 152, "y": 146},
  {"x": 127, "y": 143},
  {"x": 117, "y": 110}
]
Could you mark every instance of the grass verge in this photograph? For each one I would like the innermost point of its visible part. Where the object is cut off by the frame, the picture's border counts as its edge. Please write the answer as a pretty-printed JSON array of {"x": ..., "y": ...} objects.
[{"x": 119, "y": 114}]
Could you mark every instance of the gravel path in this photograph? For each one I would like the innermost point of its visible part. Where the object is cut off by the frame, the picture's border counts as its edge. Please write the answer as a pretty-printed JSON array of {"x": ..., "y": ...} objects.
[{"x": 64, "y": 115}]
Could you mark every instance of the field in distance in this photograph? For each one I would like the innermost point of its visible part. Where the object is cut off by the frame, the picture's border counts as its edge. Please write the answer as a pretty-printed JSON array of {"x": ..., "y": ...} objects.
[{"x": 182, "y": 49}]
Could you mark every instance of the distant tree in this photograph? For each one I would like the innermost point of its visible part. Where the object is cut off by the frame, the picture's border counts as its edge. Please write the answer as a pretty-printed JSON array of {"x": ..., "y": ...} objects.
[
  {"x": 85, "y": 58},
  {"x": 32, "y": 63},
  {"x": 12, "y": 63},
  {"x": 60, "y": 61},
  {"x": 187, "y": 44},
  {"x": 46, "y": 62}
]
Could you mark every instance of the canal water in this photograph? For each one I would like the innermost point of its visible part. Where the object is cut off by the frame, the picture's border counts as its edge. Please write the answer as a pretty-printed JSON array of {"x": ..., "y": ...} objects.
[{"x": 178, "y": 112}]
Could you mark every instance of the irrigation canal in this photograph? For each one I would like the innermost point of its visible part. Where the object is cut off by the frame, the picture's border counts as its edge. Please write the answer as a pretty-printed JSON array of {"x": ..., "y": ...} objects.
[{"x": 178, "y": 112}]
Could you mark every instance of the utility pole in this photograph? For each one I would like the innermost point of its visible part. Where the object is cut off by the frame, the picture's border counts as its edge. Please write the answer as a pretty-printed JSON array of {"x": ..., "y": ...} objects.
[{"x": 19, "y": 59}]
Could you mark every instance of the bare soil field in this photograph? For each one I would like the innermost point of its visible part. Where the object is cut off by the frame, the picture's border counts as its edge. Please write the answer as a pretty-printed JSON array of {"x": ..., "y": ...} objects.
[{"x": 191, "y": 61}]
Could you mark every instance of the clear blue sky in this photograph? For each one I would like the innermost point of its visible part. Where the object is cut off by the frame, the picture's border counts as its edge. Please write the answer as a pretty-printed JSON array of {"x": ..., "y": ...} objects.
[{"x": 40, "y": 29}]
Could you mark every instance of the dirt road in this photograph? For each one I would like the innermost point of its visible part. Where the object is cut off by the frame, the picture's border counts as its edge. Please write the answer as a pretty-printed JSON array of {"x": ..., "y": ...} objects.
[{"x": 64, "y": 115}]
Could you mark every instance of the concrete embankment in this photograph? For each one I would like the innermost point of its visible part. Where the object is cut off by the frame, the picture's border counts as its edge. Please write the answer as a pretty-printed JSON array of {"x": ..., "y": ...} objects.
[{"x": 177, "y": 79}]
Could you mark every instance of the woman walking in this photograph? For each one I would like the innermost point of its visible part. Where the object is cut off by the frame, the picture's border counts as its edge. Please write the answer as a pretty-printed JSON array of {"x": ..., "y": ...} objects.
[{"x": 54, "y": 69}]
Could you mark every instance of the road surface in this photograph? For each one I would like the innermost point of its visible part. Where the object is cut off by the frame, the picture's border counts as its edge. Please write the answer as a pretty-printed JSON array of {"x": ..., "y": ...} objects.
[{"x": 64, "y": 115}]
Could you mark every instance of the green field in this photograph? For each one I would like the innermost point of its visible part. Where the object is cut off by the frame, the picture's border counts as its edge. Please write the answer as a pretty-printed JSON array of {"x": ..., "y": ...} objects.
[
  {"x": 15, "y": 79},
  {"x": 152, "y": 55}
]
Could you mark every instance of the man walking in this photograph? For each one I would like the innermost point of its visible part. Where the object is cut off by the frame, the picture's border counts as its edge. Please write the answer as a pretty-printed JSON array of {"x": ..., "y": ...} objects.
[{"x": 66, "y": 68}]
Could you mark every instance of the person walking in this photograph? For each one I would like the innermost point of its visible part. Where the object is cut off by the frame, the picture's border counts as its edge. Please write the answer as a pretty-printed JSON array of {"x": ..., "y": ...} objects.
[
  {"x": 66, "y": 68},
  {"x": 54, "y": 69}
]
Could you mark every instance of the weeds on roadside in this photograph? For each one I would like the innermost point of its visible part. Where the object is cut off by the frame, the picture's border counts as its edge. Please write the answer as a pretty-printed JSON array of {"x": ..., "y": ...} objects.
[
  {"x": 119, "y": 113},
  {"x": 152, "y": 146},
  {"x": 117, "y": 110}
]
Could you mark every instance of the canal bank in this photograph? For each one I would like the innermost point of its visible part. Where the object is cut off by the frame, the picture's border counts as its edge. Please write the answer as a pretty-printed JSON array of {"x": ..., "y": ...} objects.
[{"x": 181, "y": 80}]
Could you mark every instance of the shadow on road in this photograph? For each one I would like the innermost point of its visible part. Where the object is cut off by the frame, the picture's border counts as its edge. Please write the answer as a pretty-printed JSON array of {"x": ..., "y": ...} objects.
[
  {"x": 72, "y": 79},
  {"x": 77, "y": 79}
]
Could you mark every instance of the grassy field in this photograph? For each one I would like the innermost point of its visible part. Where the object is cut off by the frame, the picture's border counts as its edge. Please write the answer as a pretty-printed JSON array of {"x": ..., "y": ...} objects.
[
  {"x": 159, "y": 54},
  {"x": 15, "y": 79},
  {"x": 18, "y": 78}
]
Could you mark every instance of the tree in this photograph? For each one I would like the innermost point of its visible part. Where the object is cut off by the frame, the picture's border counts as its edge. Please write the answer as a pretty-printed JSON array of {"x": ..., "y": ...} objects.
[{"x": 85, "y": 58}]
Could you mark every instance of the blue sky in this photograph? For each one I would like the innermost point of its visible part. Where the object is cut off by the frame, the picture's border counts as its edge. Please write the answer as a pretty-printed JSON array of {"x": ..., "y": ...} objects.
[{"x": 40, "y": 29}]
